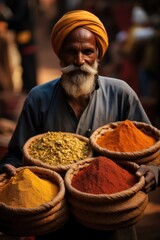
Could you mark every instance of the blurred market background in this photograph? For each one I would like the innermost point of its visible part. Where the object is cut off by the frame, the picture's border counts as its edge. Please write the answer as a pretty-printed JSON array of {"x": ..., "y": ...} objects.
[{"x": 27, "y": 59}]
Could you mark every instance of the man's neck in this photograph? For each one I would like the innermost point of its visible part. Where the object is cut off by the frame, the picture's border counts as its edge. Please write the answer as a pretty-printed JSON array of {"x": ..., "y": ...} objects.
[{"x": 78, "y": 104}]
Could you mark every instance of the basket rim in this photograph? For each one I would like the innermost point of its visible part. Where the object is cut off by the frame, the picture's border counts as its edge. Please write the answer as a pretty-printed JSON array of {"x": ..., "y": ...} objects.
[
  {"x": 126, "y": 155},
  {"x": 53, "y": 176},
  {"x": 59, "y": 168},
  {"x": 104, "y": 197}
]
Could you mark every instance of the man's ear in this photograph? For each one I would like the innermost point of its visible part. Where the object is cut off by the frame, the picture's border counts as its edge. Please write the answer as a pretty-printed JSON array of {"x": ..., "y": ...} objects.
[{"x": 98, "y": 55}]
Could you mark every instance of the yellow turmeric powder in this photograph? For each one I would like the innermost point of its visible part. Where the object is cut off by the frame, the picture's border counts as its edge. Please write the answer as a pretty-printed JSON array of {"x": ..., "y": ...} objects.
[
  {"x": 126, "y": 137},
  {"x": 27, "y": 190}
]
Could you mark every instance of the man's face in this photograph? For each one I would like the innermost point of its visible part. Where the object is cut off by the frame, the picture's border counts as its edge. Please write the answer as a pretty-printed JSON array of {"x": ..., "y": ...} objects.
[
  {"x": 79, "y": 63},
  {"x": 78, "y": 48}
]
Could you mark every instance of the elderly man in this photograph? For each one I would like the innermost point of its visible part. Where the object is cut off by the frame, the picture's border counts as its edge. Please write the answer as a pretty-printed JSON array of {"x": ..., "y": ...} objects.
[{"x": 79, "y": 101}]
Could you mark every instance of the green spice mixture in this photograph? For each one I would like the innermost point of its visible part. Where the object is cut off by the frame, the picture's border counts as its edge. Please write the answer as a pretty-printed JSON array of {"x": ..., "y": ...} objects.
[{"x": 59, "y": 148}]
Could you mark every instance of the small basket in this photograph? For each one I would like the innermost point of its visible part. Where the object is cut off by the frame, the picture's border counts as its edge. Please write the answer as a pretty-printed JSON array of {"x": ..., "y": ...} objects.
[
  {"x": 29, "y": 160},
  {"x": 148, "y": 156},
  {"x": 106, "y": 211},
  {"x": 46, "y": 218}
]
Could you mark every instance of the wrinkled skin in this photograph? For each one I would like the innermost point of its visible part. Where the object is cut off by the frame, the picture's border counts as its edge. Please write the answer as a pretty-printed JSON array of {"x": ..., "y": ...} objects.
[
  {"x": 78, "y": 48},
  {"x": 9, "y": 169},
  {"x": 150, "y": 182}
]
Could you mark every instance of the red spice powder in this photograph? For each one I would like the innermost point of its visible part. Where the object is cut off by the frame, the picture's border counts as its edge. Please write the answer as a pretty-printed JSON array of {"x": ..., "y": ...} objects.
[{"x": 103, "y": 176}]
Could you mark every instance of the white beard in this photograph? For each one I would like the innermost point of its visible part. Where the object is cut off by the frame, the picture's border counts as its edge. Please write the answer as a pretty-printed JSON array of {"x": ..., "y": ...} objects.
[{"x": 79, "y": 81}]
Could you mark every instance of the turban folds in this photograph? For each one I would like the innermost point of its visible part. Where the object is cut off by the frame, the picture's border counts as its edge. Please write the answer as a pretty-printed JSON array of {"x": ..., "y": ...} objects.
[{"x": 79, "y": 18}]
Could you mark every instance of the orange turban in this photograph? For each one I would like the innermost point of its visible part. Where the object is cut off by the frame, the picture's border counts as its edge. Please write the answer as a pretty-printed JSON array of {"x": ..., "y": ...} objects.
[{"x": 79, "y": 18}]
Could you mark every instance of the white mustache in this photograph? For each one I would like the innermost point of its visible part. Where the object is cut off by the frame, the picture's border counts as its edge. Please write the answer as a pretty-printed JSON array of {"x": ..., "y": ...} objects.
[{"x": 85, "y": 68}]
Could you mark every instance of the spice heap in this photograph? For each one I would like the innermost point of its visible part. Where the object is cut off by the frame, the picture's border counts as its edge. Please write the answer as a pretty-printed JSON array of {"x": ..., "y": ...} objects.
[
  {"x": 103, "y": 176},
  {"x": 126, "y": 137},
  {"x": 27, "y": 190},
  {"x": 59, "y": 148}
]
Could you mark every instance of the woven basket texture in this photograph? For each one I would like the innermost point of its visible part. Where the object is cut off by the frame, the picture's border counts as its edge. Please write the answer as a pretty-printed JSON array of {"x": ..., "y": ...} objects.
[
  {"x": 46, "y": 218},
  {"x": 149, "y": 156},
  {"x": 106, "y": 211},
  {"x": 61, "y": 169}
]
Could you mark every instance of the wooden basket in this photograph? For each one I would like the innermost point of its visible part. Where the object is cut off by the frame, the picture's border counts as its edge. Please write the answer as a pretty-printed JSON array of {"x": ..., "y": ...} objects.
[
  {"x": 29, "y": 160},
  {"x": 106, "y": 211},
  {"x": 147, "y": 156},
  {"x": 46, "y": 218}
]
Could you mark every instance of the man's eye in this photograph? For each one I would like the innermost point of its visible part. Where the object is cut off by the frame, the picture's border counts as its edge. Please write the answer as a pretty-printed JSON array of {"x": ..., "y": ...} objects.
[{"x": 88, "y": 52}]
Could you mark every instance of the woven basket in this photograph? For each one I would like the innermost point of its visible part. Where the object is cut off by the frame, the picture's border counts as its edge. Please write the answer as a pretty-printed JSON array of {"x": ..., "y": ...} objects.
[
  {"x": 106, "y": 211},
  {"x": 147, "y": 156},
  {"x": 29, "y": 160},
  {"x": 46, "y": 218}
]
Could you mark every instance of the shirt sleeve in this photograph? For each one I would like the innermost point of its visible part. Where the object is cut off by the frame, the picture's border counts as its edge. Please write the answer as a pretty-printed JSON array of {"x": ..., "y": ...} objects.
[{"x": 27, "y": 126}]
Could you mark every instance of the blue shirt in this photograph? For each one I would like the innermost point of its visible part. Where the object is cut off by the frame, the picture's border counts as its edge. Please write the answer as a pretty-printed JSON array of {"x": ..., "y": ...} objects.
[{"x": 46, "y": 109}]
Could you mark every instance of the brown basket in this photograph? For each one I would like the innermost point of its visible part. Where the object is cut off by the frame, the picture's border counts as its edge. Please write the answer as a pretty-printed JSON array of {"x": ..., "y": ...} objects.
[
  {"x": 106, "y": 211},
  {"x": 40, "y": 220},
  {"x": 29, "y": 160},
  {"x": 146, "y": 156}
]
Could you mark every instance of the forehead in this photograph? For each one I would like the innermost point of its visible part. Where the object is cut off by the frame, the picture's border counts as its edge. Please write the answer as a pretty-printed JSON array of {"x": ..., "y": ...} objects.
[{"x": 80, "y": 35}]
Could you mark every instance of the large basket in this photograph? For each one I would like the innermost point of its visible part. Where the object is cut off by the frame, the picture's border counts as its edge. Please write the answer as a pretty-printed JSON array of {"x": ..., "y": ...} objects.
[
  {"x": 29, "y": 160},
  {"x": 148, "y": 156},
  {"x": 43, "y": 219},
  {"x": 106, "y": 211}
]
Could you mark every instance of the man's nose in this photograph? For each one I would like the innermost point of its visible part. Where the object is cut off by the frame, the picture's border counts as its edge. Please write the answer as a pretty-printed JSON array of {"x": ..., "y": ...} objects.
[{"x": 79, "y": 59}]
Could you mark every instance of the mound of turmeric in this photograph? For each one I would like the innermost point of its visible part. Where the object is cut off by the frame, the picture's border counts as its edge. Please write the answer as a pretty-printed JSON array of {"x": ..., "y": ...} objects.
[
  {"x": 27, "y": 190},
  {"x": 126, "y": 137}
]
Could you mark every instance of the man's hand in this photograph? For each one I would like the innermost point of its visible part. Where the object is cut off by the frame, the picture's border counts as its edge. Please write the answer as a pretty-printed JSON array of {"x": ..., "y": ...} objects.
[
  {"x": 150, "y": 178},
  {"x": 9, "y": 170}
]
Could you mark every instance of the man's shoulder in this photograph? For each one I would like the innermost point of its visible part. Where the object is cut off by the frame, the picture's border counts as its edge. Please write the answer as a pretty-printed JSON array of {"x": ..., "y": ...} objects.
[
  {"x": 104, "y": 80},
  {"x": 45, "y": 88},
  {"x": 43, "y": 93}
]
